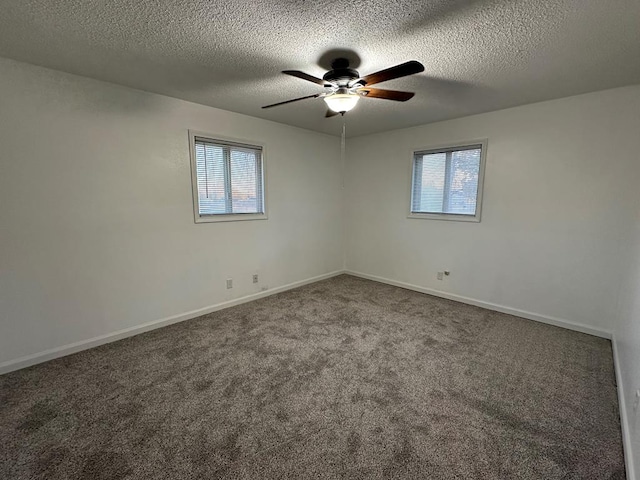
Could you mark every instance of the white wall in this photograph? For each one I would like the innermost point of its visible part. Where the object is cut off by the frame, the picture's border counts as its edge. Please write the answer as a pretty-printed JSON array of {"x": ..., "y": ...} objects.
[
  {"x": 97, "y": 231},
  {"x": 553, "y": 211},
  {"x": 560, "y": 229},
  {"x": 97, "y": 219},
  {"x": 627, "y": 332}
]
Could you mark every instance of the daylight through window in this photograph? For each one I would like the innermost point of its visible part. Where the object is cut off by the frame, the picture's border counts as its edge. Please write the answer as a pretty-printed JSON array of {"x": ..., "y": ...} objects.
[
  {"x": 447, "y": 183},
  {"x": 229, "y": 179}
]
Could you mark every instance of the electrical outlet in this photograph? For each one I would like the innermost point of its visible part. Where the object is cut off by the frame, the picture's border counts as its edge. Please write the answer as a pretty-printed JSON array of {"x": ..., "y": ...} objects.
[
  {"x": 229, "y": 282},
  {"x": 636, "y": 401},
  {"x": 255, "y": 278},
  {"x": 440, "y": 275}
]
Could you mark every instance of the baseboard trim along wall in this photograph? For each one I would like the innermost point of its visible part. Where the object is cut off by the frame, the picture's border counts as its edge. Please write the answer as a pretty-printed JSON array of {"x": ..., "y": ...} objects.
[
  {"x": 76, "y": 347},
  {"x": 69, "y": 349},
  {"x": 489, "y": 306},
  {"x": 624, "y": 420}
]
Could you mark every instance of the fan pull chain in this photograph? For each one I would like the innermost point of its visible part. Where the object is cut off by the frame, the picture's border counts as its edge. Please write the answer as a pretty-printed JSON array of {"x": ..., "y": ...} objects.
[
  {"x": 342, "y": 147},
  {"x": 344, "y": 193}
]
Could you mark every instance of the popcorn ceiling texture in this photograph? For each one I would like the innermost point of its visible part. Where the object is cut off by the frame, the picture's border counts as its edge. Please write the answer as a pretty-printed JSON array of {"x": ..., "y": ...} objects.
[{"x": 479, "y": 55}]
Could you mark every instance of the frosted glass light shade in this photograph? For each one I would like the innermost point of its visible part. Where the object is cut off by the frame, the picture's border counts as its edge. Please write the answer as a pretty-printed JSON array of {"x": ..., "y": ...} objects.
[{"x": 341, "y": 102}]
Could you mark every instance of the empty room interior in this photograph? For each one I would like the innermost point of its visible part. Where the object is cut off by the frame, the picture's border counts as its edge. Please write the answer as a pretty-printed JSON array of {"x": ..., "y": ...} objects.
[{"x": 320, "y": 240}]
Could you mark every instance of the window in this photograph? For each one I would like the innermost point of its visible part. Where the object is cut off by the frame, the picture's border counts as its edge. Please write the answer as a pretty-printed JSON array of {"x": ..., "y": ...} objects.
[
  {"x": 447, "y": 182},
  {"x": 228, "y": 180}
]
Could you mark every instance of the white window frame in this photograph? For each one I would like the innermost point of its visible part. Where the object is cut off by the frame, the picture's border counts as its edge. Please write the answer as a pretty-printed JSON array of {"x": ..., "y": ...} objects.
[
  {"x": 450, "y": 147},
  {"x": 225, "y": 217}
]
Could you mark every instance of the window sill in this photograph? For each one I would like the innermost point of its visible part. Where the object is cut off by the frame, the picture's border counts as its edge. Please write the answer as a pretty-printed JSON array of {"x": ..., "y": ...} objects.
[
  {"x": 445, "y": 216},
  {"x": 237, "y": 217}
]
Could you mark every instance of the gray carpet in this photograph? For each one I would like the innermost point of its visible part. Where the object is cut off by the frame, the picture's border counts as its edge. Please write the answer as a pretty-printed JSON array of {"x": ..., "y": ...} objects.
[{"x": 344, "y": 378}]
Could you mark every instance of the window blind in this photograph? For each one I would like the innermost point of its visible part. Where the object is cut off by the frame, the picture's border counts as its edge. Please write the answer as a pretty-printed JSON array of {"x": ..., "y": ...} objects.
[
  {"x": 229, "y": 178},
  {"x": 446, "y": 181}
]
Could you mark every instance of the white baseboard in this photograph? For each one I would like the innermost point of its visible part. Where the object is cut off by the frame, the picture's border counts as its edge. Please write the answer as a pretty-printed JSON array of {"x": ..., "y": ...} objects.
[
  {"x": 624, "y": 420},
  {"x": 57, "y": 352},
  {"x": 558, "y": 322},
  {"x": 64, "y": 350}
]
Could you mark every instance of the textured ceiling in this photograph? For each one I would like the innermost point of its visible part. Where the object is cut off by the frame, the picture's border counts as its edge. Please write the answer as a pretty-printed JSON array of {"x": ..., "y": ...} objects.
[{"x": 479, "y": 55}]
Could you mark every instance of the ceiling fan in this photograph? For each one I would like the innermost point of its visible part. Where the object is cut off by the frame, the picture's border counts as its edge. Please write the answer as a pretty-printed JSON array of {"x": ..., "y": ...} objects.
[{"x": 344, "y": 86}]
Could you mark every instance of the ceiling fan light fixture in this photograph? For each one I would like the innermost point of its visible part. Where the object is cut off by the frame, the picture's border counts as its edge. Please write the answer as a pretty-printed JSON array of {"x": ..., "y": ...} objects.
[
  {"x": 343, "y": 86},
  {"x": 341, "y": 102}
]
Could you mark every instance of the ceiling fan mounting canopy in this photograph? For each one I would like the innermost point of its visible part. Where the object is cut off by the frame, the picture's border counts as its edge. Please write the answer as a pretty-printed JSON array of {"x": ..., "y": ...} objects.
[{"x": 344, "y": 85}]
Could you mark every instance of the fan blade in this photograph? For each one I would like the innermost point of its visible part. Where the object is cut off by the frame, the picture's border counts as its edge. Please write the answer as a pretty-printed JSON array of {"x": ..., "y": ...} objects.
[
  {"x": 304, "y": 76},
  {"x": 386, "y": 94},
  {"x": 294, "y": 100},
  {"x": 330, "y": 113},
  {"x": 402, "y": 70}
]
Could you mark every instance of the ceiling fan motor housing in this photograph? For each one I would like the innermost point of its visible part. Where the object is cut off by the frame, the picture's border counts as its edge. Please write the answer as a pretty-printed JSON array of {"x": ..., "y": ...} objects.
[
  {"x": 341, "y": 76},
  {"x": 340, "y": 73}
]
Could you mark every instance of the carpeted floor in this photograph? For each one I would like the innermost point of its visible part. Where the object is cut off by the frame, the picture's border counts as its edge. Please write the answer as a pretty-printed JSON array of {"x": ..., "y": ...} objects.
[{"x": 344, "y": 378}]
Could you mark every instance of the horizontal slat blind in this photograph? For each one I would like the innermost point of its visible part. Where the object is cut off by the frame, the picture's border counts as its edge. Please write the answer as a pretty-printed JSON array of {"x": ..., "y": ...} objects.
[
  {"x": 229, "y": 178},
  {"x": 446, "y": 181},
  {"x": 211, "y": 179},
  {"x": 429, "y": 179},
  {"x": 244, "y": 188},
  {"x": 463, "y": 192}
]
